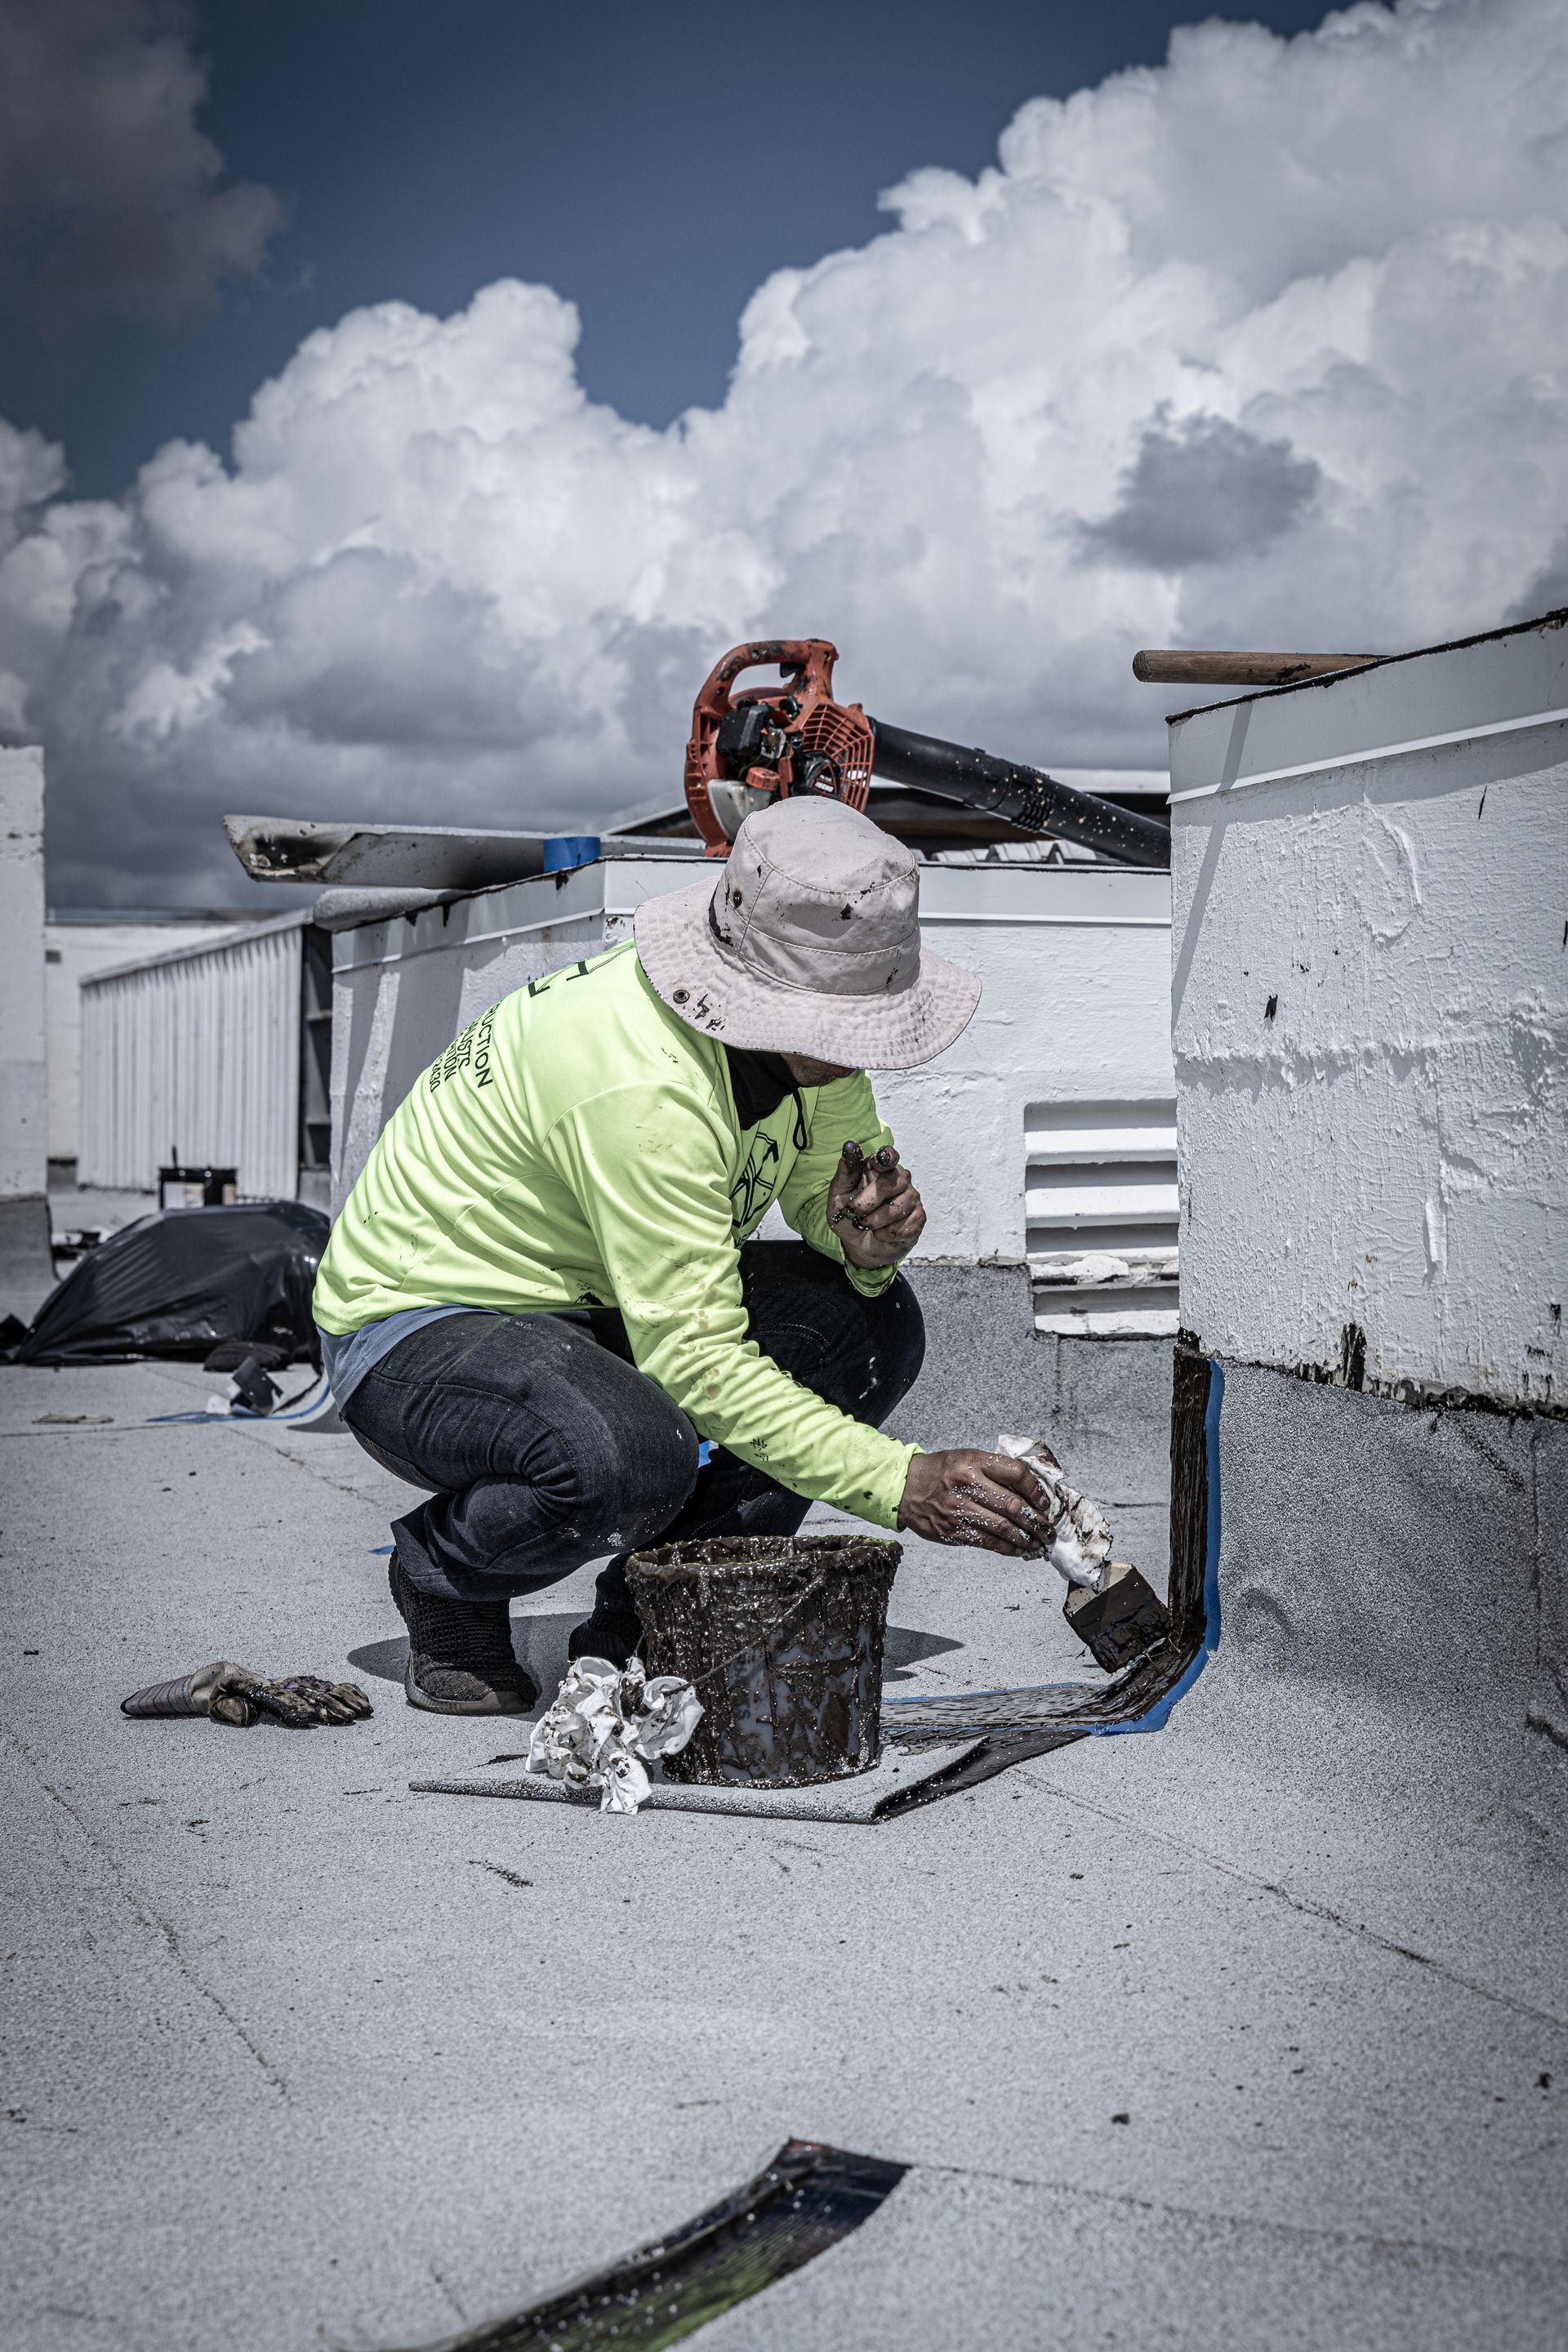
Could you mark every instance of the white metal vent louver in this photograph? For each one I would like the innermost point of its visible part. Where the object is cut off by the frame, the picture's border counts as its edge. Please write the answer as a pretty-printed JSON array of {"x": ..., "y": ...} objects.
[{"x": 1101, "y": 1212}]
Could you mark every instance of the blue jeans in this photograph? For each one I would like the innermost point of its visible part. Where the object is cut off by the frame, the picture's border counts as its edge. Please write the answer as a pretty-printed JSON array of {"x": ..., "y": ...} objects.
[{"x": 548, "y": 1448}]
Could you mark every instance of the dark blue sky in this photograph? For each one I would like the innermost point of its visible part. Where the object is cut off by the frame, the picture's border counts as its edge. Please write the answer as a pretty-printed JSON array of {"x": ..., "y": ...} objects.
[{"x": 653, "y": 163}]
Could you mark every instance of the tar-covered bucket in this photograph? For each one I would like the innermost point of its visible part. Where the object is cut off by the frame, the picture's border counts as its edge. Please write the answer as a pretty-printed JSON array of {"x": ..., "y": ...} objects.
[{"x": 781, "y": 1636}]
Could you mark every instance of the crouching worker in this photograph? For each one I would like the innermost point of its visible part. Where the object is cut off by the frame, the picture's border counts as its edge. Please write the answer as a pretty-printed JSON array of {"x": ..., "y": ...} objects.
[{"x": 541, "y": 1294}]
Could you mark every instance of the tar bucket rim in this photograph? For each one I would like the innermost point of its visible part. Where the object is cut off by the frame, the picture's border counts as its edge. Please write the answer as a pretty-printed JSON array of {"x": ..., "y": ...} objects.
[{"x": 791, "y": 1698}]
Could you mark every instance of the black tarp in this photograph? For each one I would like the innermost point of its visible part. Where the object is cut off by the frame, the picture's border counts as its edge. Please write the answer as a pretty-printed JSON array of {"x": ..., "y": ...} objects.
[{"x": 173, "y": 1285}]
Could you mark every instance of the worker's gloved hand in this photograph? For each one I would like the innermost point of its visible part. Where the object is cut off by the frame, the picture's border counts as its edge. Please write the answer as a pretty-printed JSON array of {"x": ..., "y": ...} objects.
[
  {"x": 297, "y": 1700},
  {"x": 873, "y": 1207},
  {"x": 230, "y": 1692},
  {"x": 964, "y": 1497}
]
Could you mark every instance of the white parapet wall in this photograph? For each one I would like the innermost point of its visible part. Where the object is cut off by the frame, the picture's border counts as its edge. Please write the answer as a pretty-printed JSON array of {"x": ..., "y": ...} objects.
[
  {"x": 26, "y": 1267},
  {"x": 24, "y": 1100},
  {"x": 1046, "y": 1133},
  {"x": 1370, "y": 1006}
]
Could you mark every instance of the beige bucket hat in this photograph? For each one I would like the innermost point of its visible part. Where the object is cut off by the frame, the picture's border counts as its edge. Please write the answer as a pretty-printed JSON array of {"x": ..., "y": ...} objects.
[{"x": 809, "y": 941}]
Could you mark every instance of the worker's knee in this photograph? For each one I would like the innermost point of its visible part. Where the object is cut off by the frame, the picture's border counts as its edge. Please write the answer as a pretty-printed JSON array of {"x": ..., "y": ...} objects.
[
  {"x": 897, "y": 1350},
  {"x": 860, "y": 1354},
  {"x": 864, "y": 1363},
  {"x": 646, "y": 1468}
]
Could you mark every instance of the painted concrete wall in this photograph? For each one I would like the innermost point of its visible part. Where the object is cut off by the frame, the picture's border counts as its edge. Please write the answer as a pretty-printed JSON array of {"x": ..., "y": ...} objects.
[
  {"x": 73, "y": 952},
  {"x": 1370, "y": 1007},
  {"x": 1074, "y": 960},
  {"x": 23, "y": 1124},
  {"x": 26, "y": 1267}
]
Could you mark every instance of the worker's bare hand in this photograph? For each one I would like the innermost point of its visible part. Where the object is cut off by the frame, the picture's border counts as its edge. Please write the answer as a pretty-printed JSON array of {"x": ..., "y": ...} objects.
[
  {"x": 873, "y": 1207},
  {"x": 963, "y": 1496}
]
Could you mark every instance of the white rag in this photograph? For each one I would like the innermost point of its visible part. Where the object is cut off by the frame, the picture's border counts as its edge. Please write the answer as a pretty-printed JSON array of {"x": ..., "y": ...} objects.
[
  {"x": 603, "y": 1726},
  {"x": 1078, "y": 1539}
]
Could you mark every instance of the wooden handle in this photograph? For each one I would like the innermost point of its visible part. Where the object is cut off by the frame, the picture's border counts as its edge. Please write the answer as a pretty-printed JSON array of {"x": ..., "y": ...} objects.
[{"x": 1162, "y": 667}]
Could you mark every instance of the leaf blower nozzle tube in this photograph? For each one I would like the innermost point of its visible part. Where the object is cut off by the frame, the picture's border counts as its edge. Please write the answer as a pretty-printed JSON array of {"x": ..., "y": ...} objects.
[{"x": 1025, "y": 796}]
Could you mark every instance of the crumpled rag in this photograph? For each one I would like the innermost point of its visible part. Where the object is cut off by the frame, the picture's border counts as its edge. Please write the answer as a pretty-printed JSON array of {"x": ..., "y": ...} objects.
[
  {"x": 1078, "y": 1542},
  {"x": 604, "y": 1726}
]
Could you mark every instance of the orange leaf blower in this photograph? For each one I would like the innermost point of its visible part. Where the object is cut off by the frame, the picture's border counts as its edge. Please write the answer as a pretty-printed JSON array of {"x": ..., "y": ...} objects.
[
  {"x": 781, "y": 740},
  {"x": 775, "y": 740}
]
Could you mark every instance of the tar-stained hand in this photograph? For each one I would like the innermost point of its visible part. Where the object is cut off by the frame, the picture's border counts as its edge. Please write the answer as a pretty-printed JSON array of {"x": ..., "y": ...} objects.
[
  {"x": 964, "y": 1497},
  {"x": 873, "y": 1207}
]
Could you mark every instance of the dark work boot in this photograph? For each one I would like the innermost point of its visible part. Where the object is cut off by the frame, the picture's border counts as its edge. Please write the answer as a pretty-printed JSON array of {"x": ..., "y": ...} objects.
[
  {"x": 460, "y": 1658},
  {"x": 614, "y": 1631}
]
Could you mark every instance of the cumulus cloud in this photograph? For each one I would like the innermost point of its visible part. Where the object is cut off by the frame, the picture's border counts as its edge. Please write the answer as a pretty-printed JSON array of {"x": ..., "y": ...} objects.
[
  {"x": 110, "y": 196},
  {"x": 1267, "y": 346},
  {"x": 1203, "y": 492},
  {"x": 1548, "y": 591}
]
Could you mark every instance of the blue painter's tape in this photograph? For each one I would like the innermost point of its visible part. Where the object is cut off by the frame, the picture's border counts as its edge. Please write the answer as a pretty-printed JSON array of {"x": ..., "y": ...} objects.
[
  {"x": 304, "y": 1403},
  {"x": 298, "y": 1408},
  {"x": 564, "y": 850},
  {"x": 213, "y": 1419},
  {"x": 1156, "y": 1717}
]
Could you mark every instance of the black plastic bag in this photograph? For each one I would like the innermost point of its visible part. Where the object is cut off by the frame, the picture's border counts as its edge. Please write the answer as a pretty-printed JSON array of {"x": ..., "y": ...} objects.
[{"x": 175, "y": 1283}]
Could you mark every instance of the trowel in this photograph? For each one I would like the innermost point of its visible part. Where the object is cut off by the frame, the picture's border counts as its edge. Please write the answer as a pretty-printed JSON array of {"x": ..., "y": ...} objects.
[{"x": 1109, "y": 1606}]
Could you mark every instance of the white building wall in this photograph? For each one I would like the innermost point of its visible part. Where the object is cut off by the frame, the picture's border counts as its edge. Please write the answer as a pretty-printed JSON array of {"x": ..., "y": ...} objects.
[
  {"x": 23, "y": 1102},
  {"x": 75, "y": 951},
  {"x": 1371, "y": 1009},
  {"x": 194, "y": 1058},
  {"x": 27, "y": 1270},
  {"x": 1074, "y": 963},
  {"x": 1015, "y": 1134}
]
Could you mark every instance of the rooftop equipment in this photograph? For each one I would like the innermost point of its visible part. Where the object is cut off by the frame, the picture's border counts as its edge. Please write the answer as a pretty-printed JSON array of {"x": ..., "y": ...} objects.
[{"x": 764, "y": 743}]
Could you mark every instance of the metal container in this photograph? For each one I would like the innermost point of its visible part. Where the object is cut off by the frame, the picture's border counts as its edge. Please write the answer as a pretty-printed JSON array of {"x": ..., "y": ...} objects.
[
  {"x": 197, "y": 1188},
  {"x": 781, "y": 1636}
]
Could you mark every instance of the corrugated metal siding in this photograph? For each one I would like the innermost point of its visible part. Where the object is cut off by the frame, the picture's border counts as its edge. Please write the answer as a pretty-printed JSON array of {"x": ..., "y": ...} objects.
[{"x": 194, "y": 1058}]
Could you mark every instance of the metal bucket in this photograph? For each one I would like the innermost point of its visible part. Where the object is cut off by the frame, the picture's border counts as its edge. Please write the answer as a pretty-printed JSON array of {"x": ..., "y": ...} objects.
[{"x": 783, "y": 1637}]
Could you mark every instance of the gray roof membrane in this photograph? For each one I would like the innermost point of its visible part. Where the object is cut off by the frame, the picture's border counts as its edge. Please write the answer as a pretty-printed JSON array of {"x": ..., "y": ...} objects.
[{"x": 1248, "y": 2029}]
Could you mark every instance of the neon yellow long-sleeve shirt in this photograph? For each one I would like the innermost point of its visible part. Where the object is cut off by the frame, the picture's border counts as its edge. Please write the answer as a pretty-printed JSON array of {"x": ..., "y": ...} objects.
[{"x": 579, "y": 1146}]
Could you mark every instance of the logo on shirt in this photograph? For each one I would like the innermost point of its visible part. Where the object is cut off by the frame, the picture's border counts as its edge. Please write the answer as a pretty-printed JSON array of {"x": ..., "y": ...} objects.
[
  {"x": 753, "y": 1188},
  {"x": 471, "y": 1050}
]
